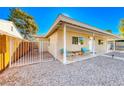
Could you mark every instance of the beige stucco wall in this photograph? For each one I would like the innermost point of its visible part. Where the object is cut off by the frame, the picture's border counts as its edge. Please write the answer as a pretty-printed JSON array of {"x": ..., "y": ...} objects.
[
  {"x": 43, "y": 42},
  {"x": 60, "y": 44},
  {"x": 100, "y": 48},
  {"x": 74, "y": 47},
  {"x": 52, "y": 47},
  {"x": 56, "y": 43}
]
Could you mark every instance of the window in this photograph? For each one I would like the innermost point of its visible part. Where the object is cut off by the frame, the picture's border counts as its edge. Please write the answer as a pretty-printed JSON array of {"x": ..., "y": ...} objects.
[
  {"x": 77, "y": 40},
  {"x": 81, "y": 41},
  {"x": 100, "y": 42}
]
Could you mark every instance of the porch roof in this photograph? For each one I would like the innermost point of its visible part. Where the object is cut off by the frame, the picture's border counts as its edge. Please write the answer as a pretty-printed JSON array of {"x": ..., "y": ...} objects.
[{"x": 68, "y": 20}]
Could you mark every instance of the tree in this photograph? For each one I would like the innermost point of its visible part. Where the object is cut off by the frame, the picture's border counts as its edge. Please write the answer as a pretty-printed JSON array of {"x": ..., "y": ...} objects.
[
  {"x": 121, "y": 28},
  {"x": 24, "y": 22},
  {"x": 110, "y": 31}
]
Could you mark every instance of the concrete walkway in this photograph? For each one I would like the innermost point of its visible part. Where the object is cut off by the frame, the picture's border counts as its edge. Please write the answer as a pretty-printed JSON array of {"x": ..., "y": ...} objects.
[
  {"x": 115, "y": 57},
  {"x": 116, "y": 54}
]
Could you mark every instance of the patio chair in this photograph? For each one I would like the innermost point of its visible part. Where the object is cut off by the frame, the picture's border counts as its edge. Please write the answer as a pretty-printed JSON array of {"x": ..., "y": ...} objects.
[{"x": 85, "y": 50}]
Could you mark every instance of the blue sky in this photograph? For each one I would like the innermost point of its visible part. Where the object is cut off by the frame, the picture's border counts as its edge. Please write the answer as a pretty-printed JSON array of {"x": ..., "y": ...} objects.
[{"x": 103, "y": 18}]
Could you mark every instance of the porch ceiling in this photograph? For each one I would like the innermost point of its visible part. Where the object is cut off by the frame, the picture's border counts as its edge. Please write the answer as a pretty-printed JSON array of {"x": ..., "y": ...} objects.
[{"x": 89, "y": 32}]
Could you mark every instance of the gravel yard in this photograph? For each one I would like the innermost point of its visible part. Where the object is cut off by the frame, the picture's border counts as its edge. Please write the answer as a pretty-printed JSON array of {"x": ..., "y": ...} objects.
[
  {"x": 116, "y": 54},
  {"x": 95, "y": 71}
]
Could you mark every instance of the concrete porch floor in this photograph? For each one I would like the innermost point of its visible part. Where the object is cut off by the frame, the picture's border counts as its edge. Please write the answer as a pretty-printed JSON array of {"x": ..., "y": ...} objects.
[{"x": 78, "y": 58}]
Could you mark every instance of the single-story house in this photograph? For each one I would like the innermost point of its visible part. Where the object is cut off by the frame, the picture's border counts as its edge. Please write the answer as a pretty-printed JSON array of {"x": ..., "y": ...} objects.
[
  {"x": 68, "y": 38},
  {"x": 10, "y": 40}
]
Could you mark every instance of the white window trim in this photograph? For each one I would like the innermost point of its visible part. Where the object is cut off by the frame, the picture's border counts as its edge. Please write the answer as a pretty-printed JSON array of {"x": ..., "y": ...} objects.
[{"x": 78, "y": 40}]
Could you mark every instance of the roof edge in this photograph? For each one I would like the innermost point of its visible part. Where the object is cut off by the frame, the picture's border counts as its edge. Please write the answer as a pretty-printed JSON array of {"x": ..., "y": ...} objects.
[{"x": 64, "y": 18}]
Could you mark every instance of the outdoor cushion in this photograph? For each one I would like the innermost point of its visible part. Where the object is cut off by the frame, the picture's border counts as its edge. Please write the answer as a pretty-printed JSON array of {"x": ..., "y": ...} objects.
[{"x": 84, "y": 50}]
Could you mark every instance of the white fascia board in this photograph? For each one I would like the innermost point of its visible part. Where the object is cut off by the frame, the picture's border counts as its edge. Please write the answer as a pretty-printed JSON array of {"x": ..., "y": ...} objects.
[
  {"x": 74, "y": 22},
  {"x": 54, "y": 24}
]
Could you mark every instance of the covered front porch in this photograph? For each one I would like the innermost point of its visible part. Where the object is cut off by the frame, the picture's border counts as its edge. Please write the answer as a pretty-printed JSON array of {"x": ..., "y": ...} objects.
[{"x": 81, "y": 43}]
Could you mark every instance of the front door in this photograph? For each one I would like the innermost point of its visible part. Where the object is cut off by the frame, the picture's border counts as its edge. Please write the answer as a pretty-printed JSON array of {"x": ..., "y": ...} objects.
[
  {"x": 91, "y": 44},
  {"x": 110, "y": 46}
]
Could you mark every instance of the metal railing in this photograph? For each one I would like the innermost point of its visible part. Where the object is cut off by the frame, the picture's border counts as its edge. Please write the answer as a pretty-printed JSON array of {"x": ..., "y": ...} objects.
[{"x": 24, "y": 53}]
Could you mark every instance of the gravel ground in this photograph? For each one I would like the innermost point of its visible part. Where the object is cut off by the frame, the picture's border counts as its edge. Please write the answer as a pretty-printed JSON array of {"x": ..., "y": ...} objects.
[
  {"x": 117, "y": 54},
  {"x": 95, "y": 71}
]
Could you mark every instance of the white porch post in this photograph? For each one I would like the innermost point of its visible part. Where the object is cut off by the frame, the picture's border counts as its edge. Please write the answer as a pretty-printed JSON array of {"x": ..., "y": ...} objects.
[
  {"x": 107, "y": 48},
  {"x": 93, "y": 44},
  {"x": 64, "y": 56},
  {"x": 55, "y": 51},
  {"x": 40, "y": 50},
  {"x": 42, "y": 43},
  {"x": 114, "y": 45}
]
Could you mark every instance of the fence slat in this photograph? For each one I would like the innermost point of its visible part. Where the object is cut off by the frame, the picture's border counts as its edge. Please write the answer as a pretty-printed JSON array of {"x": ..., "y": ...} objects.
[
  {"x": 18, "y": 52},
  {"x": 10, "y": 53}
]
